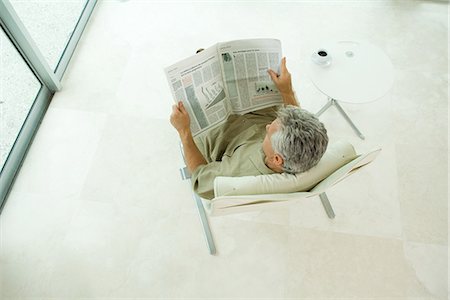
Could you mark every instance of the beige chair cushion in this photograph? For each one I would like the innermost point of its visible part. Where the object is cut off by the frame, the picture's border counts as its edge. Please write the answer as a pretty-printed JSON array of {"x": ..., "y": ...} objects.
[{"x": 337, "y": 155}]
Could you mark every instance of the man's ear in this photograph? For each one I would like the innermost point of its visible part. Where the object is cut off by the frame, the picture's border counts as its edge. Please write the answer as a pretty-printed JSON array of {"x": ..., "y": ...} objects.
[{"x": 278, "y": 160}]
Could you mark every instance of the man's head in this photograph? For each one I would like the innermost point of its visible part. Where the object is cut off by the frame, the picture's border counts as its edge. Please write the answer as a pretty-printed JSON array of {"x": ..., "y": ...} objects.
[{"x": 295, "y": 141}]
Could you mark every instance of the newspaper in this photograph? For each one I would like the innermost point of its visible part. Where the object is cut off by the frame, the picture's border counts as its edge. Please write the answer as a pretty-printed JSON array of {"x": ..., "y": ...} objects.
[{"x": 227, "y": 78}]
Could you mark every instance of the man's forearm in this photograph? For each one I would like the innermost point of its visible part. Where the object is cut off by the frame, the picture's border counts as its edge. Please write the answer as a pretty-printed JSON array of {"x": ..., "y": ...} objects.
[
  {"x": 192, "y": 154},
  {"x": 290, "y": 99}
]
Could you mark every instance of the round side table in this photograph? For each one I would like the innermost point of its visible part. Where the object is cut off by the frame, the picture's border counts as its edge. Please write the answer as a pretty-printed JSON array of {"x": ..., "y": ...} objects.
[{"x": 359, "y": 73}]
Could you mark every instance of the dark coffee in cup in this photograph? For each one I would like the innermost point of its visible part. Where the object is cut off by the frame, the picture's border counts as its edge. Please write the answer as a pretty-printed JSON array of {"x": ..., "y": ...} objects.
[{"x": 321, "y": 57}]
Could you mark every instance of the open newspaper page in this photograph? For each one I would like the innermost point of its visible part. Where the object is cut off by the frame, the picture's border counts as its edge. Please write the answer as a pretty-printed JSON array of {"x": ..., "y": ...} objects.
[
  {"x": 244, "y": 66},
  {"x": 197, "y": 81}
]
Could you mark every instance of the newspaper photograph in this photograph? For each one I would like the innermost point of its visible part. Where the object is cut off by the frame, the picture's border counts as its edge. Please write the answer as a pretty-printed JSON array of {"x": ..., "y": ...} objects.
[
  {"x": 244, "y": 65},
  {"x": 197, "y": 81}
]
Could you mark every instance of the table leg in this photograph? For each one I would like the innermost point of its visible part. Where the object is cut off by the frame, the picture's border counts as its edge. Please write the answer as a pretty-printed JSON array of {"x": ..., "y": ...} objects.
[
  {"x": 341, "y": 110},
  {"x": 326, "y": 106}
]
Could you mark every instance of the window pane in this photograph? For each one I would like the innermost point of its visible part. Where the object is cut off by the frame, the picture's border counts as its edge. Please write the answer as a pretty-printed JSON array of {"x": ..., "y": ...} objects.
[
  {"x": 50, "y": 24},
  {"x": 18, "y": 90}
]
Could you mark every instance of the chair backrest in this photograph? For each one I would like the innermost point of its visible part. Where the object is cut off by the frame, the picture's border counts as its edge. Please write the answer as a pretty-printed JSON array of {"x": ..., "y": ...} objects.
[
  {"x": 345, "y": 171},
  {"x": 337, "y": 155},
  {"x": 238, "y": 197}
]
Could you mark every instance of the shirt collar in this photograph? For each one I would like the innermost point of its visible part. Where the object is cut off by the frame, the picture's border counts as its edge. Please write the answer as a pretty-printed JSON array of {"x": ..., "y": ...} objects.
[{"x": 257, "y": 158}]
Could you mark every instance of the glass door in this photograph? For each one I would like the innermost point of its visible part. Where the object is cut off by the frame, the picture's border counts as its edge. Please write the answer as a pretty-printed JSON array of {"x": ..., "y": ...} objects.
[
  {"x": 18, "y": 90},
  {"x": 50, "y": 24},
  {"x": 37, "y": 40}
]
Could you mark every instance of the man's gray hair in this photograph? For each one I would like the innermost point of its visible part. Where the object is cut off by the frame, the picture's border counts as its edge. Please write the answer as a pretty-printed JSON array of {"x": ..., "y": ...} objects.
[{"x": 301, "y": 140}]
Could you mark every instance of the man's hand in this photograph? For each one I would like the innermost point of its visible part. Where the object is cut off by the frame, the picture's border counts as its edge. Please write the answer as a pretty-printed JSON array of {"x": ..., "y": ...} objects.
[
  {"x": 180, "y": 119},
  {"x": 283, "y": 80},
  {"x": 284, "y": 83}
]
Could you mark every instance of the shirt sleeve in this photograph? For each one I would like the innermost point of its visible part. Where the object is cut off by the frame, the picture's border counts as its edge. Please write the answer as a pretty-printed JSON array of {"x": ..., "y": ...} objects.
[{"x": 203, "y": 178}]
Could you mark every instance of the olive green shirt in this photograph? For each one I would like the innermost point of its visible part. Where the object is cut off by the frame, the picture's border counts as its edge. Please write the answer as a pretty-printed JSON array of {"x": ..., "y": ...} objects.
[{"x": 233, "y": 149}]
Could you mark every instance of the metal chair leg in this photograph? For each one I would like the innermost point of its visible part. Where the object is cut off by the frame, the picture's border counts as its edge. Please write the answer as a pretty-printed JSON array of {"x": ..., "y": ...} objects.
[
  {"x": 206, "y": 228},
  {"x": 327, "y": 205},
  {"x": 185, "y": 174},
  {"x": 201, "y": 211}
]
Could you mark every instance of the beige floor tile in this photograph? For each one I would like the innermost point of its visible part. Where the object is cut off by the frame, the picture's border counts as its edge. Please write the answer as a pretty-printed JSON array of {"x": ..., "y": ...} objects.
[
  {"x": 175, "y": 263},
  {"x": 335, "y": 265},
  {"x": 141, "y": 159},
  {"x": 61, "y": 153},
  {"x": 31, "y": 229},
  {"x": 420, "y": 107},
  {"x": 430, "y": 263},
  {"x": 97, "y": 249},
  {"x": 423, "y": 193},
  {"x": 96, "y": 69}
]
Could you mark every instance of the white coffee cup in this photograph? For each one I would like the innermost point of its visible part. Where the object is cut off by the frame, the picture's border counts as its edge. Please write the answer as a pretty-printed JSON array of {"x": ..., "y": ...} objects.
[{"x": 321, "y": 57}]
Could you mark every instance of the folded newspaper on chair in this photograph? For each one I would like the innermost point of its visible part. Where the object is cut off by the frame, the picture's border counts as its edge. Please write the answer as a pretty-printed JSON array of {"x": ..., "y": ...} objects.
[{"x": 227, "y": 78}]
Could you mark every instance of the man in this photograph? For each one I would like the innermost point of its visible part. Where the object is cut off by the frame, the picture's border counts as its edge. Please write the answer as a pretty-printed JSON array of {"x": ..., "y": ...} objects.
[{"x": 274, "y": 140}]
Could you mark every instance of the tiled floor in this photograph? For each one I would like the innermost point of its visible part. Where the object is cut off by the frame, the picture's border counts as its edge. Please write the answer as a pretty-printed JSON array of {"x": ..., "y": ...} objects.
[{"x": 99, "y": 211}]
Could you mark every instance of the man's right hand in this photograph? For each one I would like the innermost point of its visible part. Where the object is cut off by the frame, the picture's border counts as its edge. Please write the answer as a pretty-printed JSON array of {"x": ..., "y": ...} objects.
[{"x": 283, "y": 83}]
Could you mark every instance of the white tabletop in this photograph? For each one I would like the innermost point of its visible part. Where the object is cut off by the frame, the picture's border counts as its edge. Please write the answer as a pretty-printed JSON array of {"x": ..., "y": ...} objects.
[{"x": 359, "y": 72}]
